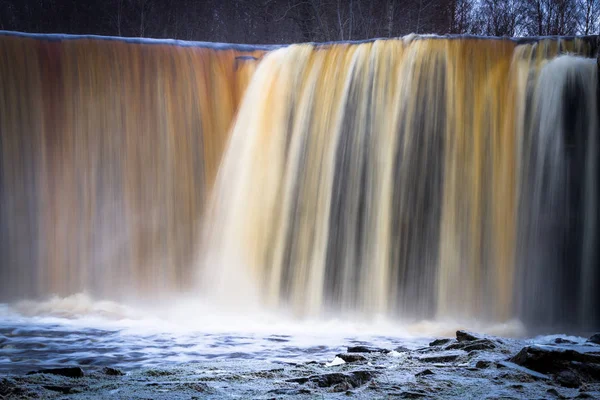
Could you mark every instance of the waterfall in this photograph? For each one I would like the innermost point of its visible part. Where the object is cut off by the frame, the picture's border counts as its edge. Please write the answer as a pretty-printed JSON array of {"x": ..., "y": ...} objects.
[
  {"x": 108, "y": 151},
  {"x": 412, "y": 178}
]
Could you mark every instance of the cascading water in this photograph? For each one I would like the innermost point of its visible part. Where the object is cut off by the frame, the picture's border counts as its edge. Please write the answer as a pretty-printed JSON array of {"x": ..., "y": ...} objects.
[
  {"x": 415, "y": 178},
  {"x": 108, "y": 150}
]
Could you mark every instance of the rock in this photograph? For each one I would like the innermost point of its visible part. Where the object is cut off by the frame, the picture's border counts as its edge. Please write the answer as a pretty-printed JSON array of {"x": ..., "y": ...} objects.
[
  {"x": 328, "y": 380},
  {"x": 475, "y": 345},
  {"x": 290, "y": 392},
  {"x": 301, "y": 380},
  {"x": 112, "y": 371},
  {"x": 69, "y": 372},
  {"x": 57, "y": 388},
  {"x": 440, "y": 342},
  {"x": 443, "y": 358},
  {"x": 554, "y": 392},
  {"x": 563, "y": 341},
  {"x": 482, "y": 364},
  {"x": 568, "y": 379},
  {"x": 159, "y": 372},
  {"x": 517, "y": 386},
  {"x": 569, "y": 367},
  {"x": 197, "y": 386},
  {"x": 342, "y": 387},
  {"x": 401, "y": 349},
  {"x": 425, "y": 372},
  {"x": 595, "y": 338},
  {"x": 366, "y": 349},
  {"x": 546, "y": 360},
  {"x": 584, "y": 395},
  {"x": 464, "y": 336},
  {"x": 520, "y": 370},
  {"x": 351, "y": 358},
  {"x": 353, "y": 379},
  {"x": 412, "y": 395},
  {"x": 10, "y": 389}
]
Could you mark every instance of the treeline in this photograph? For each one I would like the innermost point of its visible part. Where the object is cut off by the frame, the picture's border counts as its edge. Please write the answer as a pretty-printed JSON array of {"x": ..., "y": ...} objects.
[{"x": 286, "y": 21}]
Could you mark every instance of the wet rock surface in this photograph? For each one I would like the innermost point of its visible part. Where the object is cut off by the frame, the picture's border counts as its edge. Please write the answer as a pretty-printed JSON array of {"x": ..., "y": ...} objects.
[
  {"x": 595, "y": 338},
  {"x": 70, "y": 372},
  {"x": 467, "y": 366}
]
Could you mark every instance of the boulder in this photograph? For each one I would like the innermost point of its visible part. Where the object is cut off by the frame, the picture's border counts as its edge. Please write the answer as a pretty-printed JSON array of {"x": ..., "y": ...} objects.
[
  {"x": 440, "y": 342},
  {"x": 569, "y": 367},
  {"x": 366, "y": 349},
  {"x": 352, "y": 379},
  {"x": 351, "y": 357},
  {"x": 69, "y": 372},
  {"x": 464, "y": 336},
  {"x": 112, "y": 371},
  {"x": 595, "y": 338},
  {"x": 425, "y": 372},
  {"x": 440, "y": 358},
  {"x": 10, "y": 389},
  {"x": 478, "y": 344},
  {"x": 568, "y": 379},
  {"x": 59, "y": 388},
  {"x": 563, "y": 341},
  {"x": 547, "y": 360}
]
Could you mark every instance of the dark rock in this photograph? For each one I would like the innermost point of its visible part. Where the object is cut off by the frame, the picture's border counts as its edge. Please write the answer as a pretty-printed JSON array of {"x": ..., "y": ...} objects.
[
  {"x": 569, "y": 367},
  {"x": 366, "y": 349},
  {"x": 584, "y": 395},
  {"x": 402, "y": 349},
  {"x": 443, "y": 358},
  {"x": 290, "y": 392},
  {"x": 69, "y": 372},
  {"x": 301, "y": 380},
  {"x": 328, "y": 380},
  {"x": 10, "y": 389},
  {"x": 554, "y": 392},
  {"x": 354, "y": 379},
  {"x": 475, "y": 345},
  {"x": 563, "y": 341},
  {"x": 197, "y": 386},
  {"x": 351, "y": 357},
  {"x": 553, "y": 360},
  {"x": 464, "y": 336},
  {"x": 57, "y": 388},
  {"x": 112, "y": 371},
  {"x": 517, "y": 386},
  {"x": 482, "y": 364},
  {"x": 519, "y": 372},
  {"x": 342, "y": 387},
  {"x": 425, "y": 372},
  {"x": 159, "y": 372},
  {"x": 412, "y": 395},
  {"x": 568, "y": 379},
  {"x": 595, "y": 338},
  {"x": 440, "y": 342}
]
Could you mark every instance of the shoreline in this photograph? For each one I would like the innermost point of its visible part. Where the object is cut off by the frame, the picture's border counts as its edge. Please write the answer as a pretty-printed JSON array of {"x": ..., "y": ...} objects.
[{"x": 468, "y": 366}]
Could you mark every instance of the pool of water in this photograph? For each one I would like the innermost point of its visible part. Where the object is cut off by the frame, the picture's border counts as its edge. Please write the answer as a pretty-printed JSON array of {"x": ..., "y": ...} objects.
[{"x": 80, "y": 331}]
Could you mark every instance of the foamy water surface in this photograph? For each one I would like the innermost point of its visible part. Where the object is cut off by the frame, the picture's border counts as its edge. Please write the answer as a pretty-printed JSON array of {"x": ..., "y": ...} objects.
[{"x": 80, "y": 331}]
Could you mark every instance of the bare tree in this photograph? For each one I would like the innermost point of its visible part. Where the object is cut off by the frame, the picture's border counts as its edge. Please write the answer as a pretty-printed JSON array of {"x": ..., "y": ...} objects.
[
  {"x": 589, "y": 15},
  {"x": 551, "y": 17},
  {"x": 500, "y": 17}
]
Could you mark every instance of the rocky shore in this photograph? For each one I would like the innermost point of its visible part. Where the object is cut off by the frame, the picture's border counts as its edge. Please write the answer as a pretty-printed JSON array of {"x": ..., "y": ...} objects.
[{"x": 468, "y": 366}]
